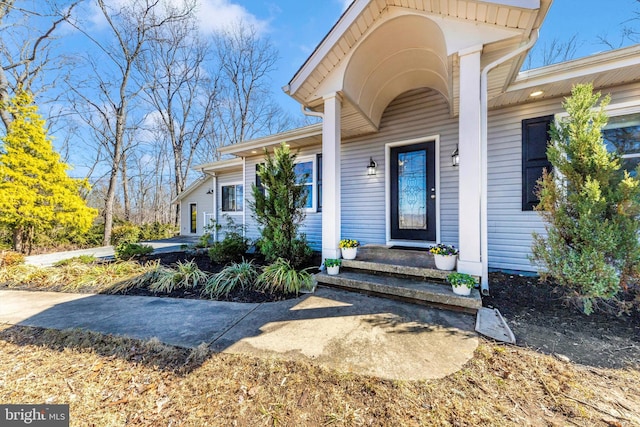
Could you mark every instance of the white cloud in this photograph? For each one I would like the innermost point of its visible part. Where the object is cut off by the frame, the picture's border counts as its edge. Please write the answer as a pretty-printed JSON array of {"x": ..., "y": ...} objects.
[
  {"x": 213, "y": 15},
  {"x": 216, "y": 15}
]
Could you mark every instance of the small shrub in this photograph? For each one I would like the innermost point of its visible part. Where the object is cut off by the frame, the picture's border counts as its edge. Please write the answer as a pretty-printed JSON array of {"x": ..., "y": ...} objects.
[
  {"x": 82, "y": 259},
  {"x": 126, "y": 233},
  {"x": 231, "y": 249},
  {"x": 300, "y": 252},
  {"x": 243, "y": 274},
  {"x": 184, "y": 276},
  {"x": 127, "y": 251},
  {"x": 157, "y": 230},
  {"x": 204, "y": 241},
  {"x": 281, "y": 276},
  {"x": 11, "y": 258}
]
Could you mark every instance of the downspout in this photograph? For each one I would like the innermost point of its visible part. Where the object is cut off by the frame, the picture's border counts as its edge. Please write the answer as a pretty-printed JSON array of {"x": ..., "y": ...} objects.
[
  {"x": 215, "y": 206},
  {"x": 484, "y": 136}
]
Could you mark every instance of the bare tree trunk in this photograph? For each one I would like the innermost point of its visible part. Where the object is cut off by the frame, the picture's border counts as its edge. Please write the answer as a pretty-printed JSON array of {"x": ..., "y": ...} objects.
[{"x": 125, "y": 189}]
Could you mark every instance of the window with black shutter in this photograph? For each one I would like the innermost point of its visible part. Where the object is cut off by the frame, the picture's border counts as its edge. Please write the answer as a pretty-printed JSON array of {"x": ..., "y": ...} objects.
[{"x": 535, "y": 136}]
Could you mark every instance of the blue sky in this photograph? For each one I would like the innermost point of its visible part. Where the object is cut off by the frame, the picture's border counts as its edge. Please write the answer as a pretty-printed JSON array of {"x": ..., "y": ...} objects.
[{"x": 297, "y": 26}]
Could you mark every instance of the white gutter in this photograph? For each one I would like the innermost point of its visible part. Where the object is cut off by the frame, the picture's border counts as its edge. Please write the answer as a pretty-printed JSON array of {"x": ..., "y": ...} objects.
[
  {"x": 484, "y": 137},
  {"x": 311, "y": 113},
  {"x": 215, "y": 207}
]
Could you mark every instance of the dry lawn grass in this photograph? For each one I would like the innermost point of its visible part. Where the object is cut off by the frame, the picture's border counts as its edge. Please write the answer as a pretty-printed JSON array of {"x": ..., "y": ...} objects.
[{"x": 113, "y": 382}]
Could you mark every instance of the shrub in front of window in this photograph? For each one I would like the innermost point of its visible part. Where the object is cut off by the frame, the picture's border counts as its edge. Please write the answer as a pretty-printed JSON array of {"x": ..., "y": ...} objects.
[
  {"x": 590, "y": 208},
  {"x": 233, "y": 247},
  {"x": 280, "y": 210}
]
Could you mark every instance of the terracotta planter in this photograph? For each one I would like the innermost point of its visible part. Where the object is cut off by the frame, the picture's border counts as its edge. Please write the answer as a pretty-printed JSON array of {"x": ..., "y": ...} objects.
[
  {"x": 461, "y": 290},
  {"x": 332, "y": 271},
  {"x": 349, "y": 253},
  {"x": 445, "y": 262}
]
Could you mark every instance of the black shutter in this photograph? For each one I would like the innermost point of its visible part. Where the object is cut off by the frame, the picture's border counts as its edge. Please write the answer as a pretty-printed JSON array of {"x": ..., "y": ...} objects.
[
  {"x": 535, "y": 136},
  {"x": 258, "y": 181}
]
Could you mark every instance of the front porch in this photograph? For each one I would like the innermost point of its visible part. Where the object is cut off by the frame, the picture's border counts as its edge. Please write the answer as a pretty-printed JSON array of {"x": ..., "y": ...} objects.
[{"x": 402, "y": 274}]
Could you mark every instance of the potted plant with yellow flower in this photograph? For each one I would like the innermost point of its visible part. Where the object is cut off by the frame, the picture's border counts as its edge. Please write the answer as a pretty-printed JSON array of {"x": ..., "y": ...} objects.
[
  {"x": 445, "y": 256},
  {"x": 349, "y": 248}
]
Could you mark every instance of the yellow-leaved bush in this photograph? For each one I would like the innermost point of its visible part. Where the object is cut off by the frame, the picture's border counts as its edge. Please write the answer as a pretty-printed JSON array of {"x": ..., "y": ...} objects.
[{"x": 36, "y": 193}]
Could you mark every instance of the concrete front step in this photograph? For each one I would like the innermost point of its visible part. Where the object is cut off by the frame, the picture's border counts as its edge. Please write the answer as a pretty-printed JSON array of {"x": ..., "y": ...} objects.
[
  {"x": 379, "y": 266},
  {"x": 404, "y": 262},
  {"x": 416, "y": 291}
]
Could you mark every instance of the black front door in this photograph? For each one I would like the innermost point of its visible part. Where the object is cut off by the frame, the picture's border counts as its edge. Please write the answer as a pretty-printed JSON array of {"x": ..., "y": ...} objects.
[{"x": 413, "y": 192}]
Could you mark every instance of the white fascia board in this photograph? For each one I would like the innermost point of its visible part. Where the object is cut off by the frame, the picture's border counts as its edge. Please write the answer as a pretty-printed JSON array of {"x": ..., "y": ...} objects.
[
  {"x": 594, "y": 64},
  {"x": 325, "y": 46},
  {"x": 220, "y": 164},
  {"x": 190, "y": 189},
  {"x": 255, "y": 144},
  {"x": 522, "y": 4}
]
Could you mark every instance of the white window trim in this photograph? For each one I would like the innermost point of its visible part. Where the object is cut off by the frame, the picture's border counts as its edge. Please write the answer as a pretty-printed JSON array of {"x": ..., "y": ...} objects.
[
  {"x": 613, "y": 110},
  {"x": 232, "y": 184},
  {"x": 314, "y": 181}
]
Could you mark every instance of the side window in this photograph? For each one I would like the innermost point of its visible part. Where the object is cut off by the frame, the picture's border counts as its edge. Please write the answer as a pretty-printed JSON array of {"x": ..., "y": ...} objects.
[
  {"x": 535, "y": 136},
  {"x": 193, "y": 218},
  {"x": 622, "y": 135},
  {"x": 319, "y": 181},
  {"x": 232, "y": 198},
  {"x": 304, "y": 173}
]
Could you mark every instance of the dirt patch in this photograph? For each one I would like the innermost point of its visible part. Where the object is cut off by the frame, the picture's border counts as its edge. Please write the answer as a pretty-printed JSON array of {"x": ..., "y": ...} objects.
[{"x": 540, "y": 319}]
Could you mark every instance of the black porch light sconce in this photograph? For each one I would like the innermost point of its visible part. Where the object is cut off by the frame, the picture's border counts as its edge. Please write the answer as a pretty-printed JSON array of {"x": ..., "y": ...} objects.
[
  {"x": 210, "y": 191},
  {"x": 455, "y": 157},
  {"x": 371, "y": 167}
]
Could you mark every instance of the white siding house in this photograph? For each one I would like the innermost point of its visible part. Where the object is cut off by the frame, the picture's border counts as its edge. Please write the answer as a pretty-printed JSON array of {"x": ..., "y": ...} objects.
[{"x": 404, "y": 85}]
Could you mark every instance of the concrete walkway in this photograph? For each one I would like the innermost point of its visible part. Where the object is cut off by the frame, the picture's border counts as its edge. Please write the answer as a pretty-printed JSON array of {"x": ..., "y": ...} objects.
[
  {"x": 341, "y": 330},
  {"x": 173, "y": 244}
]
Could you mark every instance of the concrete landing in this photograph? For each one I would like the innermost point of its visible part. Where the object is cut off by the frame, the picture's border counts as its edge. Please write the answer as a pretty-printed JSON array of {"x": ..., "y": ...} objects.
[
  {"x": 416, "y": 291},
  {"x": 345, "y": 331}
]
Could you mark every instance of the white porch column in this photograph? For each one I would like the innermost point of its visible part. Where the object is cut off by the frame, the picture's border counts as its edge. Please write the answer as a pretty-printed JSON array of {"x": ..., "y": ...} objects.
[
  {"x": 331, "y": 128},
  {"x": 470, "y": 173}
]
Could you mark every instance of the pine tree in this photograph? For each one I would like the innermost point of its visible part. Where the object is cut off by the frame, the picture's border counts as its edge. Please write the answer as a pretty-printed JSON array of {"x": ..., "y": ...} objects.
[
  {"x": 36, "y": 194},
  {"x": 589, "y": 205},
  {"x": 279, "y": 208}
]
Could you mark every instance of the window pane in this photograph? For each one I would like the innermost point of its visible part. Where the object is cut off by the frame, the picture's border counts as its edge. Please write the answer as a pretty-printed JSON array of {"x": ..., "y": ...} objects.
[
  {"x": 319, "y": 182},
  {"x": 622, "y": 134},
  {"x": 304, "y": 168},
  {"x": 630, "y": 164},
  {"x": 239, "y": 197},
  {"x": 308, "y": 190}
]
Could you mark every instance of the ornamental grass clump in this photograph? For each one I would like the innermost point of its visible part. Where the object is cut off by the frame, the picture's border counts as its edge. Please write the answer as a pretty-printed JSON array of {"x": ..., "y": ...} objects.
[
  {"x": 590, "y": 207},
  {"x": 242, "y": 275},
  {"x": 281, "y": 276},
  {"x": 442, "y": 249},
  {"x": 185, "y": 275}
]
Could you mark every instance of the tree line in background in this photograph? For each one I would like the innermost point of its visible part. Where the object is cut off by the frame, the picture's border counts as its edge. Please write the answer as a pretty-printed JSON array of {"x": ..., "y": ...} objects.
[{"x": 152, "y": 96}]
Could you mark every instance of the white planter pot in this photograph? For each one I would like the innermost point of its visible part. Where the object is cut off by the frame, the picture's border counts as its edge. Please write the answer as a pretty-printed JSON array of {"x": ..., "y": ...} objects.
[
  {"x": 349, "y": 253},
  {"x": 332, "y": 271},
  {"x": 445, "y": 262},
  {"x": 461, "y": 290}
]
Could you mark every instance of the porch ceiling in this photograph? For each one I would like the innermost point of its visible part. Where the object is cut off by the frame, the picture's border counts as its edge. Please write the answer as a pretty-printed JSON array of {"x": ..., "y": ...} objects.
[
  {"x": 604, "y": 70},
  {"x": 382, "y": 48}
]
